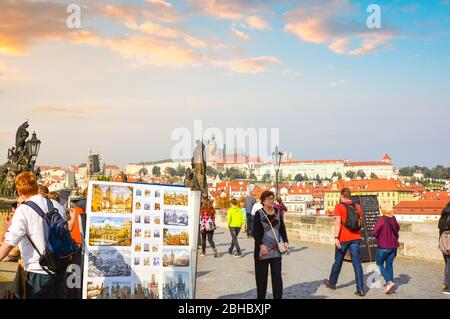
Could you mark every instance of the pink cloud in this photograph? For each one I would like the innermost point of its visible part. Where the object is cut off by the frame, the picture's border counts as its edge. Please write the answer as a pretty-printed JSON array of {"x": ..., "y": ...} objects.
[
  {"x": 252, "y": 66},
  {"x": 256, "y": 22},
  {"x": 241, "y": 35},
  {"x": 148, "y": 50},
  {"x": 325, "y": 22},
  {"x": 74, "y": 113}
]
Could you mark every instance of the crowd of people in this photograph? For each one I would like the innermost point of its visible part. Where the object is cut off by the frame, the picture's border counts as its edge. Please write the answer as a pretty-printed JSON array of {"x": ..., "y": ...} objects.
[{"x": 263, "y": 221}]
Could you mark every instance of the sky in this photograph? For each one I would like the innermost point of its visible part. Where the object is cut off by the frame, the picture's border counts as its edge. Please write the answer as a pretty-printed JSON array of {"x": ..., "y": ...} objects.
[{"x": 135, "y": 71}]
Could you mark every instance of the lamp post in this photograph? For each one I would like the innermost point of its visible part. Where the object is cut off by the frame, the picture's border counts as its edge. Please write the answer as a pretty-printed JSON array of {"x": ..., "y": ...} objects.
[
  {"x": 276, "y": 155},
  {"x": 33, "y": 146}
]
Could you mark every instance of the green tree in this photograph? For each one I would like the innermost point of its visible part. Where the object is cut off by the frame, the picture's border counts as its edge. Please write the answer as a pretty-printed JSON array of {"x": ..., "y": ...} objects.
[
  {"x": 211, "y": 171},
  {"x": 266, "y": 177},
  {"x": 361, "y": 174},
  {"x": 181, "y": 170},
  {"x": 170, "y": 171},
  {"x": 298, "y": 178},
  {"x": 234, "y": 173},
  {"x": 252, "y": 176},
  {"x": 350, "y": 174},
  {"x": 156, "y": 171},
  {"x": 373, "y": 175}
]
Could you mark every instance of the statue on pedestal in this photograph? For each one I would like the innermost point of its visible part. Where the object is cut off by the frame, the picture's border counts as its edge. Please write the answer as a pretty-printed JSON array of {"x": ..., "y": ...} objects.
[
  {"x": 19, "y": 160},
  {"x": 195, "y": 177}
]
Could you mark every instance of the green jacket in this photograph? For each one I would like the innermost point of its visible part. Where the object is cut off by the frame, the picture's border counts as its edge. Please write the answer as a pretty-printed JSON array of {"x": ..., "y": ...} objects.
[{"x": 235, "y": 217}]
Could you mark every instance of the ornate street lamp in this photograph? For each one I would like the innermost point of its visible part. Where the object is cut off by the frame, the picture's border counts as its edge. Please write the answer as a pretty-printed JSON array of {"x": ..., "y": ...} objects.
[
  {"x": 33, "y": 146},
  {"x": 276, "y": 155}
]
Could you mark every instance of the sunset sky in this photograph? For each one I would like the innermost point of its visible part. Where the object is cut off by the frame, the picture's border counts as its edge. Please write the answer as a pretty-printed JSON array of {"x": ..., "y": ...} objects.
[{"x": 136, "y": 70}]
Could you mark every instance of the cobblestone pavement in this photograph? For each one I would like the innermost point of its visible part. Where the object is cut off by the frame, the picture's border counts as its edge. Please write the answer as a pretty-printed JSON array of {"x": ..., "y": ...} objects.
[{"x": 304, "y": 269}]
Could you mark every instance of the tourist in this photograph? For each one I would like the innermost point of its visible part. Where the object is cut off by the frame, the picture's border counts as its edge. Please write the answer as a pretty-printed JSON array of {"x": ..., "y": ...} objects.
[
  {"x": 386, "y": 232},
  {"x": 269, "y": 231},
  {"x": 250, "y": 201},
  {"x": 54, "y": 196},
  {"x": 207, "y": 226},
  {"x": 235, "y": 219},
  {"x": 39, "y": 284},
  {"x": 281, "y": 207},
  {"x": 43, "y": 190},
  {"x": 444, "y": 226},
  {"x": 347, "y": 237}
]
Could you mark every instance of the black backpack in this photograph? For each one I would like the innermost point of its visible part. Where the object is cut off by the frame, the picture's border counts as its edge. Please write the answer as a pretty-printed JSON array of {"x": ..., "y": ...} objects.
[
  {"x": 353, "y": 221},
  {"x": 59, "y": 246}
]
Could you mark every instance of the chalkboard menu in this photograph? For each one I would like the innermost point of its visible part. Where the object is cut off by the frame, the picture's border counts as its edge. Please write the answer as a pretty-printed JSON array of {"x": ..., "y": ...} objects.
[{"x": 371, "y": 211}]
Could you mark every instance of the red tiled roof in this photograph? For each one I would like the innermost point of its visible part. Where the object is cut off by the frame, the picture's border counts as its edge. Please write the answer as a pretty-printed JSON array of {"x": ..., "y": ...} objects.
[
  {"x": 237, "y": 159},
  {"x": 420, "y": 207},
  {"x": 111, "y": 166},
  {"x": 312, "y": 162},
  {"x": 371, "y": 185},
  {"x": 367, "y": 164},
  {"x": 439, "y": 195}
]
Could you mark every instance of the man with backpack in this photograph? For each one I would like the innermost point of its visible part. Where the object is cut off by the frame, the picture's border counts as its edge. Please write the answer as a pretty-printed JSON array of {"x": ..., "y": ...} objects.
[
  {"x": 40, "y": 240},
  {"x": 347, "y": 237}
]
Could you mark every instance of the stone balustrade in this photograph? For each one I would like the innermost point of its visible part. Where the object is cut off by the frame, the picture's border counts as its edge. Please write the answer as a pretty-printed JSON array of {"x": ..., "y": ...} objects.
[{"x": 417, "y": 240}]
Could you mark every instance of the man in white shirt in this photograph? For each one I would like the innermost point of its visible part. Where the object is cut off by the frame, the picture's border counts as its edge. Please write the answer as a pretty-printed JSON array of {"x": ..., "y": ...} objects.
[{"x": 26, "y": 221}]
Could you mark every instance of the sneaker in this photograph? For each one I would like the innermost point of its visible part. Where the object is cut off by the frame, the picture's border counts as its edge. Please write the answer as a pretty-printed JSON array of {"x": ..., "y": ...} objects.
[
  {"x": 328, "y": 284},
  {"x": 446, "y": 291},
  {"x": 389, "y": 288},
  {"x": 360, "y": 293},
  {"x": 216, "y": 253},
  {"x": 238, "y": 255}
]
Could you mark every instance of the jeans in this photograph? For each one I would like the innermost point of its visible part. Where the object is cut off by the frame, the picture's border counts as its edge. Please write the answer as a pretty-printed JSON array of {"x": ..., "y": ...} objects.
[
  {"x": 355, "y": 253},
  {"x": 40, "y": 286},
  {"x": 234, "y": 240},
  {"x": 261, "y": 274},
  {"x": 210, "y": 235},
  {"x": 447, "y": 271},
  {"x": 250, "y": 224},
  {"x": 385, "y": 260}
]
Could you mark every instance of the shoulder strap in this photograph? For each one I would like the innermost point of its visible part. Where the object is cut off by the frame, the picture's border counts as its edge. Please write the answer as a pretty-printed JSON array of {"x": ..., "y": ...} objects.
[
  {"x": 41, "y": 213},
  {"x": 36, "y": 208},
  {"x": 270, "y": 224},
  {"x": 50, "y": 205},
  {"x": 390, "y": 226}
]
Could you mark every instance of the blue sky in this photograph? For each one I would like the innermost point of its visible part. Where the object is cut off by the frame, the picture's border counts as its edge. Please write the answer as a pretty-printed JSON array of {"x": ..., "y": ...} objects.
[{"x": 137, "y": 70}]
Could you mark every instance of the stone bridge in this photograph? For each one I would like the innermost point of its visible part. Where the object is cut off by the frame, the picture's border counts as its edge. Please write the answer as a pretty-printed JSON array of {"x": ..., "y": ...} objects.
[{"x": 419, "y": 269}]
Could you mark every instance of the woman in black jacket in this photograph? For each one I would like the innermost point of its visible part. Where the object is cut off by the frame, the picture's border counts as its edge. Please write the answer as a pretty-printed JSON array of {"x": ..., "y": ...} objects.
[
  {"x": 444, "y": 225},
  {"x": 268, "y": 231}
]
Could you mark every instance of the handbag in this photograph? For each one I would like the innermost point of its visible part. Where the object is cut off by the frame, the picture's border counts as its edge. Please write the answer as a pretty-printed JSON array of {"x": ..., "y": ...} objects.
[{"x": 281, "y": 247}]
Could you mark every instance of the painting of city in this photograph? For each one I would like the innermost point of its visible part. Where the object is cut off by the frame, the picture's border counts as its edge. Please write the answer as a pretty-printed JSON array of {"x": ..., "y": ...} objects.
[
  {"x": 176, "y": 285},
  {"x": 175, "y": 258},
  {"x": 109, "y": 263},
  {"x": 121, "y": 290},
  {"x": 174, "y": 217},
  {"x": 178, "y": 198},
  {"x": 175, "y": 237},
  {"x": 112, "y": 199},
  {"x": 147, "y": 289},
  {"x": 110, "y": 231},
  {"x": 97, "y": 290}
]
